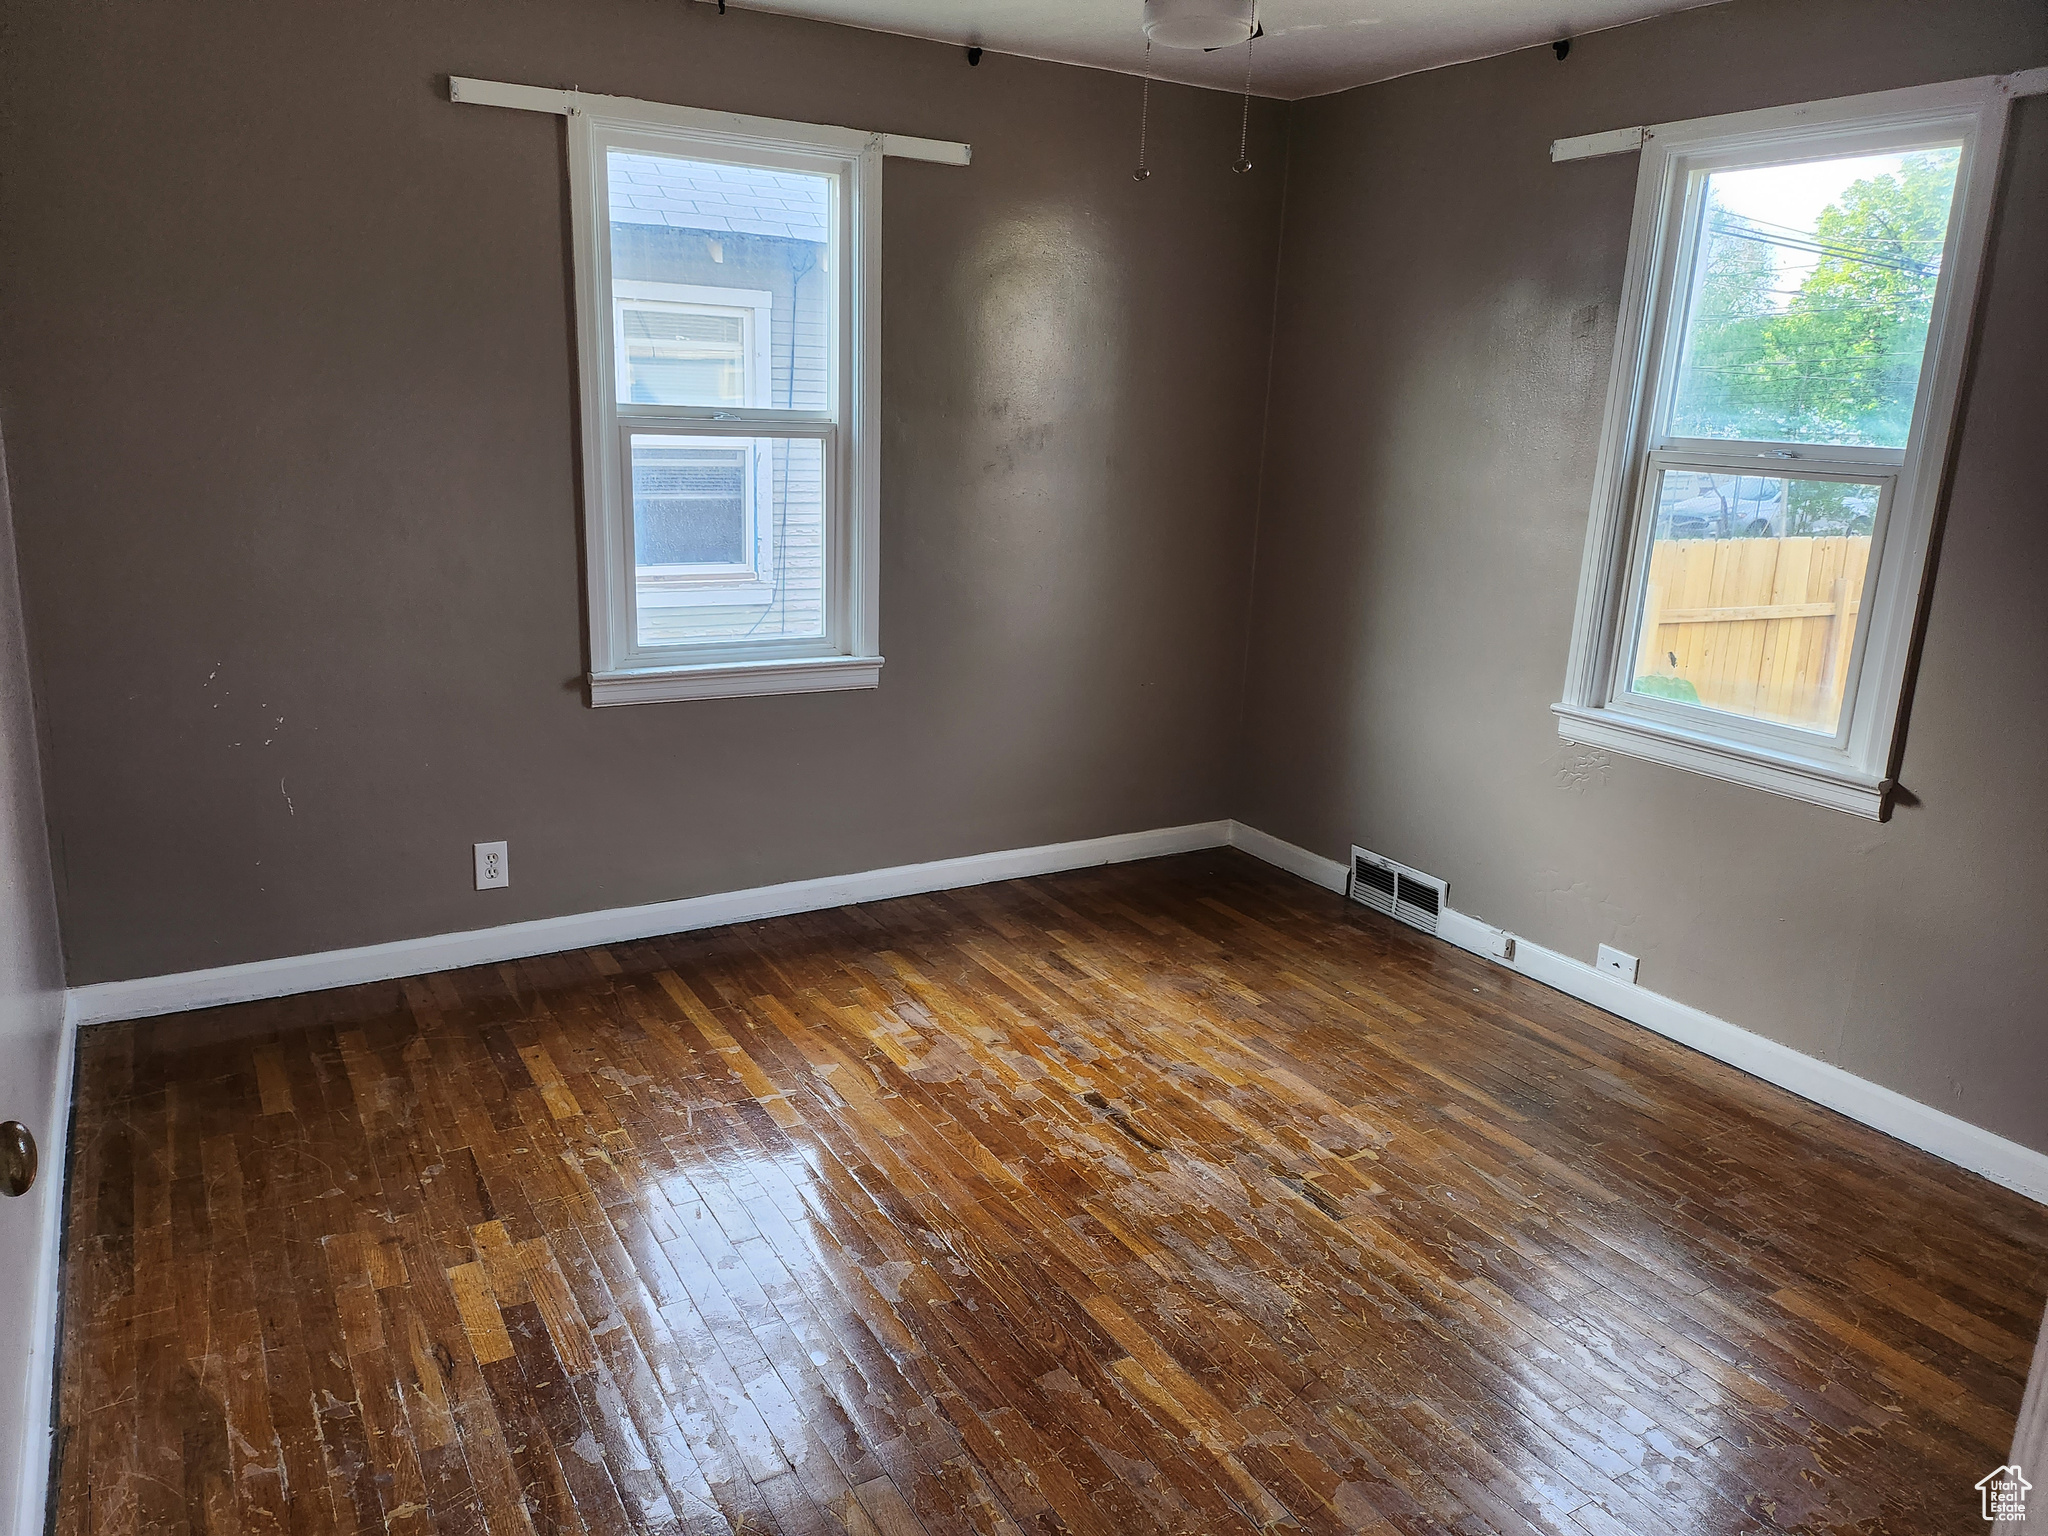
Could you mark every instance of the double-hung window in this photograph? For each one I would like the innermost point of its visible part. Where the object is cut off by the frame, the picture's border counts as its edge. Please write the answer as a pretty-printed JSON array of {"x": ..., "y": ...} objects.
[
  {"x": 1792, "y": 337},
  {"x": 726, "y": 292}
]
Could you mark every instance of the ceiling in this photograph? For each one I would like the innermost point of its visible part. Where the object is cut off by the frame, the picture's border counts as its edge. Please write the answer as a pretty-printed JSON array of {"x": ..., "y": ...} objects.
[{"x": 1311, "y": 47}]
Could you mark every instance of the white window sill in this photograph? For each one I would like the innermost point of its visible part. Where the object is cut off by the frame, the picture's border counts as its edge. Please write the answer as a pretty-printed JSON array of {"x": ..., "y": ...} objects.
[
  {"x": 1838, "y": 787},
  {"x": 735, "y": 679}
]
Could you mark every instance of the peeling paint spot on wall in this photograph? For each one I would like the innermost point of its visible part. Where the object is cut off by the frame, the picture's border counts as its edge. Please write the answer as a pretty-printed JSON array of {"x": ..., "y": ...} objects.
[{"x": 1582, "y": 768}]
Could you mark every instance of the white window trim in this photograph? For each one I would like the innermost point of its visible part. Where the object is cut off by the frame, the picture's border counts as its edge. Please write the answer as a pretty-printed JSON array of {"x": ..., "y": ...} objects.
[
  {"x": 849, "y": 654},
  {"x": 560, "y": 103},
  {"x": 756, "y": 305},
  {"x": 1851, "y": 771}
]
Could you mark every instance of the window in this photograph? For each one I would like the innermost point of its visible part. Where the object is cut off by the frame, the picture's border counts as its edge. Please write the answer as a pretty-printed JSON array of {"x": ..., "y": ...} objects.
[
  {"x": 681, "y": 344},
  {"x": 1792, "y": 336},
  {"x": 726, "y": 338}
]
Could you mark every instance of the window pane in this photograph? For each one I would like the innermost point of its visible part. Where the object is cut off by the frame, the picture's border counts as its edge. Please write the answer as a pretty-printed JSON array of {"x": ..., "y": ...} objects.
[
  {"x": 728, "y": 538},
  {"x": 1806, "y": 319},
  {"x": 683, "y": 355},
  {"x": 689, "y": 504},
  {"x": 722, "y": 278},
  {"x": 1752, "y": 592}
]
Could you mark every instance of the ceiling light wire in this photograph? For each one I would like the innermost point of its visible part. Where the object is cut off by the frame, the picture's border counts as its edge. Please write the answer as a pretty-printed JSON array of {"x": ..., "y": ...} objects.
[
  {"x": 1142, "y": 173},
  {"x": 1244, "y": 126}
]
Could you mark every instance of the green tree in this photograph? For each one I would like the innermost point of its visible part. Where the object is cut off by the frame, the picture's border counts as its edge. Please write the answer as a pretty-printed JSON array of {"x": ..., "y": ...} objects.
[
  {"x": 1732, "y": 305},
  {"x": 1840, "y": 360}
]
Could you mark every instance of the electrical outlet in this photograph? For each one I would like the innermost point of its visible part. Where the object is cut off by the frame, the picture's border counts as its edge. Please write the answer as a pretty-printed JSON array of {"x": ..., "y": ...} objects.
[
  {"x": 1616, "y": 963},
  {"x": 493, "y": 867}
]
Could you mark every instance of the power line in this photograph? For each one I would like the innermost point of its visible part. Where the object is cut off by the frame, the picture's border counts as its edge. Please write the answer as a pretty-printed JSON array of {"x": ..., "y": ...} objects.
[
  {"x": 1725, "y": 226},
  {"x": 1721, "y": 211},
  {"x": 1815, "y": 248}
]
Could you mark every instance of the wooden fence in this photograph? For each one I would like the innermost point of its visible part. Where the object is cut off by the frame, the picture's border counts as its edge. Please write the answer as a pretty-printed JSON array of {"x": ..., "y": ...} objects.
[{"x": 1760, "y": 627}]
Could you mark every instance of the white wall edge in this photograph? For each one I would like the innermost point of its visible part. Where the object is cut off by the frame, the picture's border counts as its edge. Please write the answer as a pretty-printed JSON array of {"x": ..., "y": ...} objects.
[
  {"x": 541, "y": 98},
  {"x": 2017, "y": 1167},
  {"x": 1957, "y": 1141},
  {"x": 735, "y": 680},
  {"x": 1780, "y": 775},
  {"x": 2026, "y": 82},
  {"x": 1328, "y": 873},
  {"x": 1588, "y": 146},
  {"x": 148, "y": 996},
  {"x": 38, "y": 1436},
  {"x": 1619, "y": 141}
]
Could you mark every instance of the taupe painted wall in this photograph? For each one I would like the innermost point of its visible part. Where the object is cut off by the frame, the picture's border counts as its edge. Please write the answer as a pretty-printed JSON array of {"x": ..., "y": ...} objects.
[
  {"x": 286, "y": 371},
  {"x": 31, "y": 1032},
  {"x": 1445, "y": 323},
  {"x": 285, "y": 368}
]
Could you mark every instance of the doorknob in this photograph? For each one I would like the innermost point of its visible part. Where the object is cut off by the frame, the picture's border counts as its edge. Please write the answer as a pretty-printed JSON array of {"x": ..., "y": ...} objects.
[{"x": 17, "y": 1158}]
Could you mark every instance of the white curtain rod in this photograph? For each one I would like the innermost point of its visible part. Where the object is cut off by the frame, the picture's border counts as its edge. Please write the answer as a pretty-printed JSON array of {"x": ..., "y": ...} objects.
[
  {"x": 539, "y": 98},
  {"x": 1622, "y": 141}
]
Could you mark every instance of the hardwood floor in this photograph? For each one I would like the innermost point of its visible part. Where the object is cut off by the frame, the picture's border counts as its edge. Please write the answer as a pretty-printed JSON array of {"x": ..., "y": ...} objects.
[{"x": 1178, "y": 1196}]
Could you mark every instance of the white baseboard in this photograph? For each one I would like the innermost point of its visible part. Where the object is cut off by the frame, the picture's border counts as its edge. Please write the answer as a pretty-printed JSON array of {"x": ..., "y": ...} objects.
[
  {"x": 2006, "y": 1162},
  {"x": 1328, "y": 873},
  {"x": 1957, "y": 1141},
  {"x": 31, "y": 1504},
  {"x": 147, "y": 996}
]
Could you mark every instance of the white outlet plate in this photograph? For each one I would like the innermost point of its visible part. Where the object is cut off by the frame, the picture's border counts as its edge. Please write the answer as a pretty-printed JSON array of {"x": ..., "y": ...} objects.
[
  {"x": 493, "y": 867},
  {"x": 1500, "y": 944},
  {"x": 1616, "y": 962}
]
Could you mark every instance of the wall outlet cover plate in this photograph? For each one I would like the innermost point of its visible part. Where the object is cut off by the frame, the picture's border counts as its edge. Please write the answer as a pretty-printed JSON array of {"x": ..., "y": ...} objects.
[
  {"x": 493, "y": 867},
  {"x": 1617, "y": 963}
]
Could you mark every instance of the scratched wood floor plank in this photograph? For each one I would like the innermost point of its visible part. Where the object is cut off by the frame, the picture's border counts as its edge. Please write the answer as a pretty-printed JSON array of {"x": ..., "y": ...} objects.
[{"x": 1172, "y": 1197}]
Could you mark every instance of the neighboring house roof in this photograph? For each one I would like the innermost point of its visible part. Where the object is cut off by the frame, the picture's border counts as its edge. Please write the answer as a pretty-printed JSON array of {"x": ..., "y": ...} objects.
[{"x": 698, "y": 194}]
